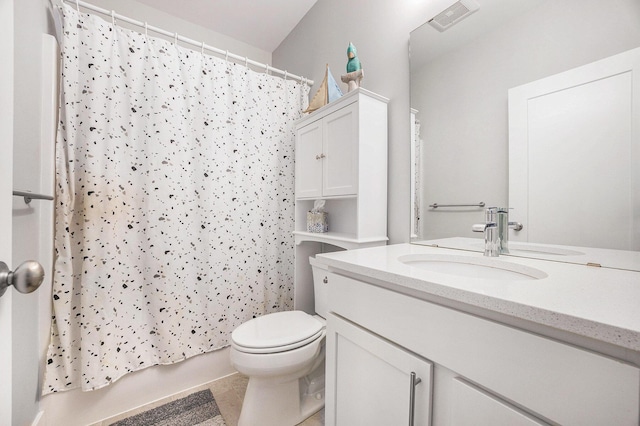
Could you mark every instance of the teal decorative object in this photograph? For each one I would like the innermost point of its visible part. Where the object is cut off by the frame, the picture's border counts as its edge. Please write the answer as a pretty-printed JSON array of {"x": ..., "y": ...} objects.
[
  {"x": 355, "y": 73},
  {"x": 353, "y": 64}
]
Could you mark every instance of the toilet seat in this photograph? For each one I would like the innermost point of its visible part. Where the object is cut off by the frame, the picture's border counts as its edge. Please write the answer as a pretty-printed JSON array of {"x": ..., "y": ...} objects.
[
  {"x": 277, "y": 332},
  {"x": 277, "y": 349}
]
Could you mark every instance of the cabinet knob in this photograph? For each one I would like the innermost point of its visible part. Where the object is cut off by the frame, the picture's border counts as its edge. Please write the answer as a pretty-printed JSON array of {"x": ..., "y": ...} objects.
[{"x": 326, "y": 280}]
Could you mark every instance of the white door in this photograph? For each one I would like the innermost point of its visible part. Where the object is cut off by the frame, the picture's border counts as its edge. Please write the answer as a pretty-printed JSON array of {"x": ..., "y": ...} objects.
[
  {"x": 340, "y": 147},
  {"x": 309, "y": 161},
  {"x": 574, "y": 150},
  {"x": 371, "y": 380},
  {"x": 6, "y": 178}
]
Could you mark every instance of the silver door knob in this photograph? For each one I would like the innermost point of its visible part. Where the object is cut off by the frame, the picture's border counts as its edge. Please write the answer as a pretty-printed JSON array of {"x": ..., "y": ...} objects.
[{"x": 26, "y": 278}]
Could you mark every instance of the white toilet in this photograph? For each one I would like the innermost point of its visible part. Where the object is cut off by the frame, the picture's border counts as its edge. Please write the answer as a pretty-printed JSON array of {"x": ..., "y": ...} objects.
[{"x": 283, "y": 355}]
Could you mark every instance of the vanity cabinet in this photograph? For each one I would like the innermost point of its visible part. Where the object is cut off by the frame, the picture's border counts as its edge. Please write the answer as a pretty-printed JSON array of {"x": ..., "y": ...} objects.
[
  {"x": 484, "y": 372},
  {"x": 471, "y": 405},
  {"x": 373, "y": 381},
  {"x": 341, "y": 158}
]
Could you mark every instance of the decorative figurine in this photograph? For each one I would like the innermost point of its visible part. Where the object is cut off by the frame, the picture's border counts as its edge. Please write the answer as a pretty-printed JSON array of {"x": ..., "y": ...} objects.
[
  {"x": 355, "y": 72},
  {"x": 329, "y": 91}
]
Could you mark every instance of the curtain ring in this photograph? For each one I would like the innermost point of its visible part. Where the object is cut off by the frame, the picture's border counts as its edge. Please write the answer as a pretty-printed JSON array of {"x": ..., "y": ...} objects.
[
  {"x": 175, "y": 39},
  {"x": 266, "y": 69},
  {"x": 146, "y": 34},
  {"x": 226, "y": 56},
  {"x": 113, "y": 18},
  {"x": 202, "y": 48},
  {"x": 77, "y": 6},
  {"x": 285, "y": 74},
  {"x": 246, "y": 62}
]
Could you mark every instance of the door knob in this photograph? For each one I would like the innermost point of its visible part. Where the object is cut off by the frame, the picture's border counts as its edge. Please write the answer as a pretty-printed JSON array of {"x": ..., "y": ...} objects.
[{"x": 26, "y": 278}]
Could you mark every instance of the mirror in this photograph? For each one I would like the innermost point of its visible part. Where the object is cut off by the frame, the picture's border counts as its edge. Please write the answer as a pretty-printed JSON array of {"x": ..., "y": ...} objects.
[{"x": 460, "y": 83}]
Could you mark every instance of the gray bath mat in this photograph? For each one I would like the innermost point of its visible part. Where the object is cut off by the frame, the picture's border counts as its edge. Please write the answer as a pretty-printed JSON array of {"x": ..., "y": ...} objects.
[{"x": 197, "y": 409}]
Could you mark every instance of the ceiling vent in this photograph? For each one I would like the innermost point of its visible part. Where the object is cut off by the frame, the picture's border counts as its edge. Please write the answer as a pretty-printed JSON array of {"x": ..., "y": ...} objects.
[{"x": 453, "y": 14}]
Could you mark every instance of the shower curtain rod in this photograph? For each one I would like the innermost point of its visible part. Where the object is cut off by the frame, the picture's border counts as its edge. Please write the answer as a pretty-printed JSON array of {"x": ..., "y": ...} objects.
[{"x": 186, "y": 40}]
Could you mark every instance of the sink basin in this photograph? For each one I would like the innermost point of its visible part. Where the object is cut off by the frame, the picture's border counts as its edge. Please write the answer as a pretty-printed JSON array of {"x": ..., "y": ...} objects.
[{"x": 472, "y": 267}]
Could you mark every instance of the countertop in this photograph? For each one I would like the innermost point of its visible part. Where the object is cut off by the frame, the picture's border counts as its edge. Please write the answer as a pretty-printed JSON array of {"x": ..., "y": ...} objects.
[{"x": 594, "y": 302}]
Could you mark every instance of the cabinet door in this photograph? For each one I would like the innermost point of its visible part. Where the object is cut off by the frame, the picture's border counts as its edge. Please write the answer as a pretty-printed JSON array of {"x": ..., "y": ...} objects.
[
  {"x": 369, "y": 379},
  {"x": 474, "y": 407},
  {"x": 340, "y": 164},
  {"x": 309, "y": 161}
]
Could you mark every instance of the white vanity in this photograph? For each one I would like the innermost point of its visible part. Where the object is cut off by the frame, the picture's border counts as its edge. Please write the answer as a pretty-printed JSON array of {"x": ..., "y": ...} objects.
[
  {"x": 495, "y": 341},
  {"x": 513, "y": 114}
]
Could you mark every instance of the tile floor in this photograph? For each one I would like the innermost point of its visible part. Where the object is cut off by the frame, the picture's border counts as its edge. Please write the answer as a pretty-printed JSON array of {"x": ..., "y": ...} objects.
[{"x": 229, "y": 394}]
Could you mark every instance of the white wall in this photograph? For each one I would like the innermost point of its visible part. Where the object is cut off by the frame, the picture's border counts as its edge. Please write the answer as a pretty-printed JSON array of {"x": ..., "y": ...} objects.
[
  {"x": 462, "y": 98},
  {"x": 380, "y": 31}
]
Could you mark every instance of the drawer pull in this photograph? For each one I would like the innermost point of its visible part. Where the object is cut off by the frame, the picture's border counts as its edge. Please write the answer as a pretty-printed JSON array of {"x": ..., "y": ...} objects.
[{"x": 413, "y": 382}]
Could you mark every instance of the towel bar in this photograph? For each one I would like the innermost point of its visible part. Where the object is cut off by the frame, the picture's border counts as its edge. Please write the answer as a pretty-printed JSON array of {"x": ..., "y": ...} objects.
[
  {"x": 28, "y": 196},
  {"x": 436, "y": 205}
]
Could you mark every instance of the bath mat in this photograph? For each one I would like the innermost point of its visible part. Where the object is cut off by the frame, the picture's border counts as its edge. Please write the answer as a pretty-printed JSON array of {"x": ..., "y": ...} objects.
[{"x": 197, "y": 409}]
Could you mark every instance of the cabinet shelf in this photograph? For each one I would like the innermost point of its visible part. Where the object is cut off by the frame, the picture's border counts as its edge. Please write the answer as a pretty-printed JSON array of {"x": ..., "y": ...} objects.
[{"x": 340, "y": 239}]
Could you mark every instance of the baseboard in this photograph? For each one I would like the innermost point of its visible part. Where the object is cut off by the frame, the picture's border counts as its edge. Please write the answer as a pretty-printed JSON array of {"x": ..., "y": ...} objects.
[{"x": 39, "y": 420}]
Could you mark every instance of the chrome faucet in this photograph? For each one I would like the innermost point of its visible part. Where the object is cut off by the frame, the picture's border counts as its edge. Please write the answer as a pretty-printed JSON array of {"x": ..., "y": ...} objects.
[
  {"x": 496, "y": 230},
  {"x": 490, "y": 229},
  {"x": 502, "y": 215}
]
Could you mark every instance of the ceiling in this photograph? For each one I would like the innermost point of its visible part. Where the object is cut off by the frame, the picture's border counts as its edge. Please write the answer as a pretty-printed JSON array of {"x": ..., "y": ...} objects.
[
  {"x": 261, "y": 23},
  {"x": 428, "y": 43}
]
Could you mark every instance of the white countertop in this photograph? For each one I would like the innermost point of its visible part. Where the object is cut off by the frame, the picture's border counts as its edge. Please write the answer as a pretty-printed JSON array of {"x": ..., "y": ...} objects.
[{"x": 599, "y": 303}]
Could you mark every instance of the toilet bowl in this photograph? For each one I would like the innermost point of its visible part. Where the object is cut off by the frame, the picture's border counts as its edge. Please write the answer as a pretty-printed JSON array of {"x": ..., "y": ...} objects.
[{"x": 283, "y": 355}]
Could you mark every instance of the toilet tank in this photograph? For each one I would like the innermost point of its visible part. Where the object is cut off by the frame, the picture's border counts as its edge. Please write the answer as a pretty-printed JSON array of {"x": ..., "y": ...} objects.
[{"x": 320, "y": 280}]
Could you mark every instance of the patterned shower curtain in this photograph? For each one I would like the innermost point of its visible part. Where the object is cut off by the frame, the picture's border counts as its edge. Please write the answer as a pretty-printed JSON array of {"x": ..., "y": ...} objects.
[{"x": 174, "y": 202}]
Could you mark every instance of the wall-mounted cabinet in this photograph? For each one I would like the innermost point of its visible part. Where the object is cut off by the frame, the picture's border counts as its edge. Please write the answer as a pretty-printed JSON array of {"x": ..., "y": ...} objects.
[
  {"x": 341, "y": 158},
  {"x": 327, "y": 154}
]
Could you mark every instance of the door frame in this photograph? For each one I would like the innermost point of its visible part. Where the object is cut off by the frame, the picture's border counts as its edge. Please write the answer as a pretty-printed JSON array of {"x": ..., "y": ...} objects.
[{"x": 6, "y": 188}]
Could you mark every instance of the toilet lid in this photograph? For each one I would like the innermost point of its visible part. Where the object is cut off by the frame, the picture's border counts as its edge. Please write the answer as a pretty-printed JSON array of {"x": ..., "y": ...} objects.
[{"x": 276, "y": 330}]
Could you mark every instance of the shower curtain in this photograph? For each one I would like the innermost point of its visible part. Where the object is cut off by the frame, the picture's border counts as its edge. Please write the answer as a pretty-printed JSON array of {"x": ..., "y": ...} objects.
[{"x": 174, "y": 202}]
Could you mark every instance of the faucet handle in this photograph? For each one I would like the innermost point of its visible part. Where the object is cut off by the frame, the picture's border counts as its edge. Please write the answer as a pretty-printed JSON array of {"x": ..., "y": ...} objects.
[
  {"x": 516, "y": 226},
  {"x": 481, "y": 227},
  {"x": 491, "y": 241}
]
